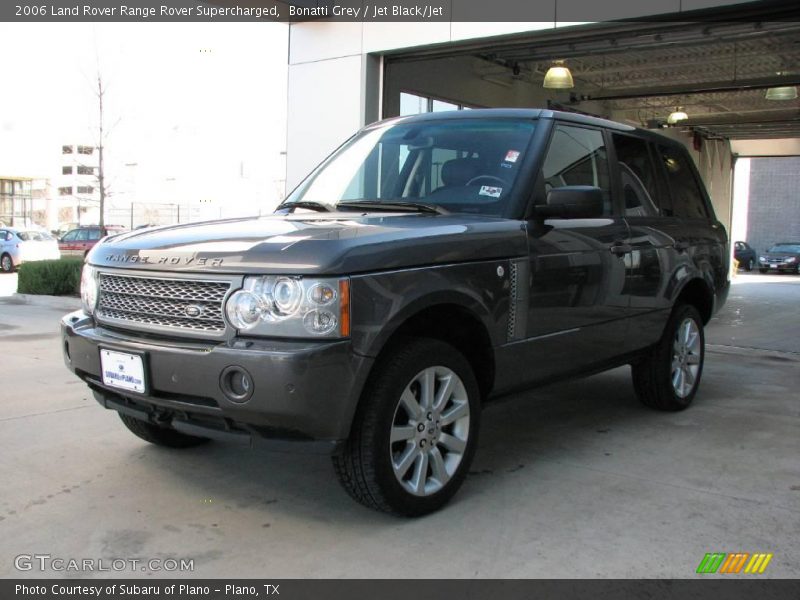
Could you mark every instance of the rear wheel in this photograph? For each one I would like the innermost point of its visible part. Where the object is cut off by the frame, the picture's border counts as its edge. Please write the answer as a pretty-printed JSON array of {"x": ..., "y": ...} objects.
[
  {"x": 749, "y": 265},
  {"x": 667, "y": 379},
  {"x": 160, "y": 436},
  {"x": 415, "y": 432},
  {"x": 6, "y": 264}
]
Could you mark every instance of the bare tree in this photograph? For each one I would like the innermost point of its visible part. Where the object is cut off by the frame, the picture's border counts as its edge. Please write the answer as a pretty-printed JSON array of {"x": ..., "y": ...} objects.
[{"x": 101, "y": 175}]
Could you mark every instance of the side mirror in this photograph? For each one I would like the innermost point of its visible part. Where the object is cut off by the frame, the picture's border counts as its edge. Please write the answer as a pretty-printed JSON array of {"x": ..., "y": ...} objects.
[{"x": 572, "y": 202}]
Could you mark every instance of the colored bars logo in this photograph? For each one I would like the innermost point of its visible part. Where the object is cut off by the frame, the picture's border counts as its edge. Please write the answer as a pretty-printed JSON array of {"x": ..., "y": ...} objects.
[{"x": 720, "y": 562}]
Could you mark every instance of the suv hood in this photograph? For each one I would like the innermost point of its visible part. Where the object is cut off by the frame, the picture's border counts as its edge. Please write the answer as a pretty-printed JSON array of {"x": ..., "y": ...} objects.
[
  {"x": 779, "y": 255},
  {"x": 316, "y": 243}
]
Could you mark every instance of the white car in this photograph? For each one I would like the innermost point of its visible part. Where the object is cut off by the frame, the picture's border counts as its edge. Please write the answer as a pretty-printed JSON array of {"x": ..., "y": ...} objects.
[{"x": 25, "y": 245}]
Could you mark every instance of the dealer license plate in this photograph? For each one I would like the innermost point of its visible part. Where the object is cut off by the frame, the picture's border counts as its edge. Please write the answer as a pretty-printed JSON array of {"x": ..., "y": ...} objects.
[{"x": 122, "y": 370}]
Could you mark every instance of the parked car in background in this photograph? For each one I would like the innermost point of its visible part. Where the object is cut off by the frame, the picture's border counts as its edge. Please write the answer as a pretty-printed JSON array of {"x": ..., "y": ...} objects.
[
  {"x": 25, "y": 245},
  {"x": 782, "y": 257},
  {"x": 745, "y": 255},
  {"x": 79, "y": 241}
]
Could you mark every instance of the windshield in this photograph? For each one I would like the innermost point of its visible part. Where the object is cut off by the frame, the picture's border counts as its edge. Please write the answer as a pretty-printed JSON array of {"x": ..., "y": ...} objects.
[
  {"x": 34, "y": 236},
  {"x": 785, "y": 248},
  {"x": 459, "y": 165}
]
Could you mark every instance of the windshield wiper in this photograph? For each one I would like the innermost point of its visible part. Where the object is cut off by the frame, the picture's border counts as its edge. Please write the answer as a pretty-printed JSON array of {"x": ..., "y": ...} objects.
[
  {"x": 309, "y": 204},
  {"x": 393, "y": 206}
]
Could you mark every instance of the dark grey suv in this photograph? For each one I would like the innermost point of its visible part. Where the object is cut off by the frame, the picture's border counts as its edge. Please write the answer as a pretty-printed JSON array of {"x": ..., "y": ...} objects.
[{"x": 430, "y": 264}]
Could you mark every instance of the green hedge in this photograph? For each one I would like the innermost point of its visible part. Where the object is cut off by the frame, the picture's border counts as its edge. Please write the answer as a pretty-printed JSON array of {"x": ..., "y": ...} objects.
[{"x": 51, "y": 277}]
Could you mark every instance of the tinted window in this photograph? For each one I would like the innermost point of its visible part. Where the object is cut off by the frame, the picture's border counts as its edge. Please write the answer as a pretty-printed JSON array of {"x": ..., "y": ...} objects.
[
  {"x": 687, "y": 199},
  {"x": 94, "y": 234},
  {"x": 637, "y": 175},
  {"x": 82, "y": 235},
  {"x": 577, "y": 156},
  {"x": 70, "y": 236}
]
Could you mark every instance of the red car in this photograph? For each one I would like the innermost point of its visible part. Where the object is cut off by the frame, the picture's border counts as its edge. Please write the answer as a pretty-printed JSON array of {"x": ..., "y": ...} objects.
[{"x": 78, "y": 242}]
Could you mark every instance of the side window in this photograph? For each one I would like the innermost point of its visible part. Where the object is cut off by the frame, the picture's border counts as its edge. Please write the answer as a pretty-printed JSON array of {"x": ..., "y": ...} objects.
[
  {"x": 94, "y": 234},
  {"x": 82, "y": 235},
  {"x": 577, "y": 156},
  {"x": 687, "y": 198},
  {"x": 3, "y": 235},
  {"x": 637, "y": 175},
  {"x": 70, "y": 236}
]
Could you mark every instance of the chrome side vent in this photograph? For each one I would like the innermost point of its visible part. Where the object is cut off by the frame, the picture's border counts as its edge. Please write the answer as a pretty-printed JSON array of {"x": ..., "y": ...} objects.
[{"x": 517, "y": 299}]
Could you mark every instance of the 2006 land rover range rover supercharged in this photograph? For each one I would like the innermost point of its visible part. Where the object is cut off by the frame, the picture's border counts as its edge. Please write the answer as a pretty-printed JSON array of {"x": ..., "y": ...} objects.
[{"x": 427, "y": 265}]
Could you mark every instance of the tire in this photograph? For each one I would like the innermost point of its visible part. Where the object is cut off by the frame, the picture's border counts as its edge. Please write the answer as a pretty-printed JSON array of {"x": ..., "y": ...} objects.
[
  {"x": 160, "y": 436},
  {"x": 6, "y": 264},
  {"x": 749, "y": 266},
  {"x": 420, "y": 471},
  {"x": 762, "y": 270},
  {"x": 668, "y": 378}
]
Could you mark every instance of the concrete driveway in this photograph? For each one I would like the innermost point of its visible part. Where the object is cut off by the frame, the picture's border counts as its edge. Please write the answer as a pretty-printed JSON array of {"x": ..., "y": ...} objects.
[{"x": 573, "y": 480}]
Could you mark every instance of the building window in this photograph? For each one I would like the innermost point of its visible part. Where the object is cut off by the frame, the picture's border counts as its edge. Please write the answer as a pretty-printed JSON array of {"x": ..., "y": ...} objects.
[
  {"x": 65, "y": 191},
  {"x": 85, "y": 189},
  {"x": 66, "y": 149},
  {"x": 412, "y": 104},
  {"x": 82, "y": 170},
  {"x": 66, "y": 170},
  {"x": 85, "y": 149}
]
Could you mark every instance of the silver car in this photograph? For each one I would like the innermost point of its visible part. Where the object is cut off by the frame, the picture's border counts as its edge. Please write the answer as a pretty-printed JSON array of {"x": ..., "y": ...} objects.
[{"x": 25, "y": 245}]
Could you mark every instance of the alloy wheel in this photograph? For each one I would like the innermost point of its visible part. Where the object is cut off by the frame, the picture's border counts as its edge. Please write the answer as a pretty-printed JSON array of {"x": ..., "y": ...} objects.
[
  {"x": 430, "y": 430},
  {"x": 686, "y": 357}
]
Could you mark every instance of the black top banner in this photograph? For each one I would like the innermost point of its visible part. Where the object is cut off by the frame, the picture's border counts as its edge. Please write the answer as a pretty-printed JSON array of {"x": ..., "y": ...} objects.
[{"x": 421, "y": 11}]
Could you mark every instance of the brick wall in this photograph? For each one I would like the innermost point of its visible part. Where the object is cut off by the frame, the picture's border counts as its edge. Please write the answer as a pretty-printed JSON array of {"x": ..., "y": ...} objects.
[{"x": 774, "y": 207}]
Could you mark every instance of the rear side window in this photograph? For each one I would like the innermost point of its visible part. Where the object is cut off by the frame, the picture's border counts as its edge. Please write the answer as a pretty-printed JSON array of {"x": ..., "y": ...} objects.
[
  {"x": 687, "y": 198},
  {"x": 94, "y": 234},
  {"x": 577, "y": 156},
  {"x": 637, "y": 177}
]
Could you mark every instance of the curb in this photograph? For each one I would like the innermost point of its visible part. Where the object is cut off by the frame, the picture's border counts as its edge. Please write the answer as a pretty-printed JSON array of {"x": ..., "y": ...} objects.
[{"x": 67, "y": 303}]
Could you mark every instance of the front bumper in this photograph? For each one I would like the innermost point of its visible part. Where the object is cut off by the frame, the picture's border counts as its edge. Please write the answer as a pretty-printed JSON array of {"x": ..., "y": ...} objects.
[
  {"x": 302, "y": 391},
  {"x": 778, "y": 266}
]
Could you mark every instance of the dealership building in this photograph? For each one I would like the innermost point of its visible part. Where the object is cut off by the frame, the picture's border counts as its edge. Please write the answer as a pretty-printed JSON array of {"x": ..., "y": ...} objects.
[{"x": 721, "y": 77}]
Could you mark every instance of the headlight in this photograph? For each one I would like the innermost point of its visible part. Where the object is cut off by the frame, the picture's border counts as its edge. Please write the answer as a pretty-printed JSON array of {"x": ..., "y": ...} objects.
[
  {"x": 791, "y": 259},
  {"x": 89, "y": 288},
  {"x": 291, "y": 307},
  {"x": 762, "y": 259}
]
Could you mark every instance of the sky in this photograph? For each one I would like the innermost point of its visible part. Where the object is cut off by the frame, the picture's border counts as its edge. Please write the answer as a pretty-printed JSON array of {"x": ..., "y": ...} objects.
[{"x": 195, "y": 111}]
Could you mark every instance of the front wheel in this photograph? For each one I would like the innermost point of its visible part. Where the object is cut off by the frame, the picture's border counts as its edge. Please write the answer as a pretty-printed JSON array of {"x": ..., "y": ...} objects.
[
  {"x": 668, "y": 377},
  {"x": 415, "y": 432},
  {"x": 760, "y": 270},
  {"x": 749, "y": 265}
]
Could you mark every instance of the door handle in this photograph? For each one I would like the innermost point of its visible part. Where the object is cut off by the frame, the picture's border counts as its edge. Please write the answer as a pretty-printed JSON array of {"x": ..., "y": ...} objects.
[{"x": 620, "y": 248}]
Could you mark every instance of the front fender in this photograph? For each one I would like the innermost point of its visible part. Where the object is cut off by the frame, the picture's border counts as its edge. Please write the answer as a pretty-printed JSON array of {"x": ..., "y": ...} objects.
[{"x": 382, "y": 302}]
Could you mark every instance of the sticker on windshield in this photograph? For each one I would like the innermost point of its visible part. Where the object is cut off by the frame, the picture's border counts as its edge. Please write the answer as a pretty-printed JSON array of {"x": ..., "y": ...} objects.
[
  {"x": 512, "y": 156},
  {"x": 488, "y": 190}
]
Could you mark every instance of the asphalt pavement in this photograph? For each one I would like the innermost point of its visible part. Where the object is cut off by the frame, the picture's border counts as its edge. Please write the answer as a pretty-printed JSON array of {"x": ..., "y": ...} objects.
[{"x": 573, "y": 480}]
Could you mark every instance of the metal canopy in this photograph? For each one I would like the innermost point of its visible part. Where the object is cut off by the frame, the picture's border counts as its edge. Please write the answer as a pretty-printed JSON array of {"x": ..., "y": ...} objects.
[{"x": 639, "y": 72}]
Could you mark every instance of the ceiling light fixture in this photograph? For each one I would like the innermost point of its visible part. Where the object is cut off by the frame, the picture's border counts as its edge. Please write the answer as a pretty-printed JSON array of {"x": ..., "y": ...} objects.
[
  {"x": 558, "y": 77},
  {"x": 788, "y": 92},
  {"x": 676, "y": 116}
]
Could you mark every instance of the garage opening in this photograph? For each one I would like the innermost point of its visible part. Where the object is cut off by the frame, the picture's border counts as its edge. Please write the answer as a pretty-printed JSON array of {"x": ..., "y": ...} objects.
[{"x": 735, "y": 80}]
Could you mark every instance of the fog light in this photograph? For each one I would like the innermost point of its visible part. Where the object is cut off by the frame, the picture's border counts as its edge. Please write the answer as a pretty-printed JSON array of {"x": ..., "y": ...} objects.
[{"x": 237, "y": 384}]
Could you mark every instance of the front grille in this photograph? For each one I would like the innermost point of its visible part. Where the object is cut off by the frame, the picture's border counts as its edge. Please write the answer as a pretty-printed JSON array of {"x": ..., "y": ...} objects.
[{"x": 182, "y": 304}]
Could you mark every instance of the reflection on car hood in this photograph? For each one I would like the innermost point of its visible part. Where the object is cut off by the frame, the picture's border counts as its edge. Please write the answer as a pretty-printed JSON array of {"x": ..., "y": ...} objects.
[{"x": 321, "y": 243}]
